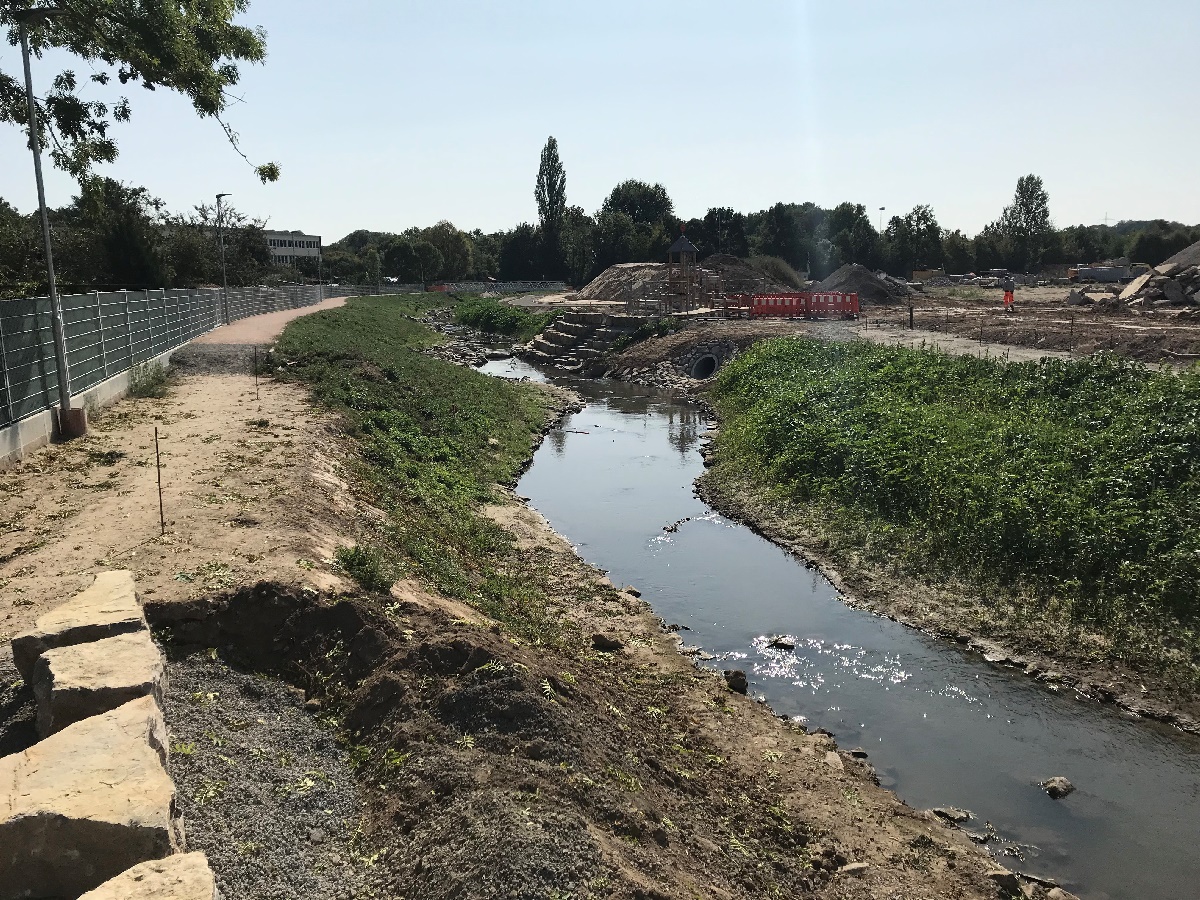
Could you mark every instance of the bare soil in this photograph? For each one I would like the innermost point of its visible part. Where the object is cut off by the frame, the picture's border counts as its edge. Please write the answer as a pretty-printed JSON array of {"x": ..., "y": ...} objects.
[{"x": 484, "y": 766}]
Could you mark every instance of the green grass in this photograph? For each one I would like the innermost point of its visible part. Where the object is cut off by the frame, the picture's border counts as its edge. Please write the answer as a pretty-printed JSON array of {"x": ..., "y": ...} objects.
[
  {"x": 432, "y": 439},
  {"x": 494, "y": 317},
  {"x": 647, "y": 330},
  {"x": 149, "y": 380},
  {"x": 1069, "y": 486}
]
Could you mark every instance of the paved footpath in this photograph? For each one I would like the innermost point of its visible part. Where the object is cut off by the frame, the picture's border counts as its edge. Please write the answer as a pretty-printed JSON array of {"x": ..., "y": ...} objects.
[{"x": 262, "y": 329}]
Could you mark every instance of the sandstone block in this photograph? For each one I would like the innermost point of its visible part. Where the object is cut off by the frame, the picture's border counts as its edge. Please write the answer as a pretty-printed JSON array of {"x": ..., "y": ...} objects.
[
  {"x": 86, "y": 804},
  {"x": 72, "y": 683},
  {"x": 1136, "y": 285},
  {"x": 107, "y": 608},
  {"x": 183, "y": 877}
]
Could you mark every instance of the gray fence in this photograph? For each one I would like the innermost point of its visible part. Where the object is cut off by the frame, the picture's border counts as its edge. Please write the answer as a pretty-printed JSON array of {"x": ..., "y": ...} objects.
[{"x": 108, "y": 333}]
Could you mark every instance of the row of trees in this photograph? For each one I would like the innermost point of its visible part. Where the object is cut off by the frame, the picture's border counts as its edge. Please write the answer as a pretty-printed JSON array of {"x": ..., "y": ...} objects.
[
  {"x": 637, "y": 222},
  {"x": 114, "y": 236}
]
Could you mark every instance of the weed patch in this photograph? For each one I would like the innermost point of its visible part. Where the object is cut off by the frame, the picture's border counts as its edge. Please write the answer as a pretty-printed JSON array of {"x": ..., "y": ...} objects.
[
  {"x": 1062, "y": 488},
  {"x": 494, "y": 317},
  {"x": 149, "y": 381},
  {"x": 433, "y": 439}
]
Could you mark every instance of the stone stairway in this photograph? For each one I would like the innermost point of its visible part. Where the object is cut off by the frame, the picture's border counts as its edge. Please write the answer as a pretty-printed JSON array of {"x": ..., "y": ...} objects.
[{"x": 578, "y": 340}]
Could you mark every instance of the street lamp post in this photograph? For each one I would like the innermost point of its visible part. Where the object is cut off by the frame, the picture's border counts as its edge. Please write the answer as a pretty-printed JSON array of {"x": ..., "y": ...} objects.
[
  {"x": 224, "y": 276},
  {"x": 71, "y": 423},
  {"x": 881, "y": 209}
]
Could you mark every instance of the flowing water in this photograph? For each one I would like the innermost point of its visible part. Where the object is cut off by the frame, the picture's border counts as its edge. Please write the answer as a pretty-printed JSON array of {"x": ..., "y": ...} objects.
[{"x": 942, "y": 727}]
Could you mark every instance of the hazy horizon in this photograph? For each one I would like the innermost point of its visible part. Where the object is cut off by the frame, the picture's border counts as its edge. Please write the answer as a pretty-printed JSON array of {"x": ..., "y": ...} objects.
[{"x": 386, "y": 116}]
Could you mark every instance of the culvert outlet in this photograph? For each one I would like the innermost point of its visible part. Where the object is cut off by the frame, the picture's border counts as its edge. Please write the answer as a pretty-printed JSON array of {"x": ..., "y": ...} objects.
[{"x": 705, "y": 367}]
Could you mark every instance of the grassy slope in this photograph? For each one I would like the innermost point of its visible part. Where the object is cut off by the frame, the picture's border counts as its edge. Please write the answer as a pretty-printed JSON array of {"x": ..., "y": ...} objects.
[
  {"x": 1059, "y": 493},
  {"x": 434, "y": 438}
]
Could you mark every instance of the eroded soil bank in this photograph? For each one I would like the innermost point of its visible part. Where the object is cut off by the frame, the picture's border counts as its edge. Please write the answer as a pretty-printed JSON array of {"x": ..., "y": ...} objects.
[{"x": 533, "y": 733}]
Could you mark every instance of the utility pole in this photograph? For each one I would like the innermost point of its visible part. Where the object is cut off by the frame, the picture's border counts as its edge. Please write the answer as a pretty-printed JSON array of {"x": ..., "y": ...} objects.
[
  {"x": 224, "y": 276},
  {"x": 881, "y": 209},
  {"x": 71, "y": 423}
]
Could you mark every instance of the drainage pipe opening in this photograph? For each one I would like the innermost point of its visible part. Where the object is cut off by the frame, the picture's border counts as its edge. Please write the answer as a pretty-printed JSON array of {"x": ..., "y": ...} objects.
[{"x": 705, "y": 367}]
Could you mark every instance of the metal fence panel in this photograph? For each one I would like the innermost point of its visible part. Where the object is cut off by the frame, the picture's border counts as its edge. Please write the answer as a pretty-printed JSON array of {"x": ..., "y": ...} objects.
[{"x": 108, "y": 333}]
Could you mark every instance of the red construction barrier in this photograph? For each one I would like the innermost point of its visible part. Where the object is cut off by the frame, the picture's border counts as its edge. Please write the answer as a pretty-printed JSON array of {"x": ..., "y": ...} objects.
[{"x": 807, "y": 305}]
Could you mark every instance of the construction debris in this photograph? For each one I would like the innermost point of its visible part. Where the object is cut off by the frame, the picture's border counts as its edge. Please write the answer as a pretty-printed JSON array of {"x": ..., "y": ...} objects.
[{"x": 1175, "y": 283}]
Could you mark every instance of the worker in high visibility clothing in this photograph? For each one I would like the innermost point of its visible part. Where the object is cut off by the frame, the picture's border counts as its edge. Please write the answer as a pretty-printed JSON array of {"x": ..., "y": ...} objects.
[{"x": 1010, "y": 287}]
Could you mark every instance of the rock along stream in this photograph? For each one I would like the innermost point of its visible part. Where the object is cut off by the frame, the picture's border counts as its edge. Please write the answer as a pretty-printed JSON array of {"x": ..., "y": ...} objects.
[{"x": 942, "y": 727}]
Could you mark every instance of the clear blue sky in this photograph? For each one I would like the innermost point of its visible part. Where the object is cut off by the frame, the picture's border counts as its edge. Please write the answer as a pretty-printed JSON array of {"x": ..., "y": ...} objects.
[{"x": 385, "y": 115}]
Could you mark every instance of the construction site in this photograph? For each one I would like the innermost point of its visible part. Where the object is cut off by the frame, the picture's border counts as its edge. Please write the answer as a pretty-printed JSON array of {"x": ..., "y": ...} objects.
[{"x": 1154, "y": 318}]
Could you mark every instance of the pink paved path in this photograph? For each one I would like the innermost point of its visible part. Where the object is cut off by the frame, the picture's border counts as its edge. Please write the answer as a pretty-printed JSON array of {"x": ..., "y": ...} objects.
[{"x": 265, "y": 328}]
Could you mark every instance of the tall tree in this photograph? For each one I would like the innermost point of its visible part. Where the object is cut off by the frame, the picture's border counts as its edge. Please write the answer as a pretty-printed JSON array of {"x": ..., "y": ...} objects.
[
  {"x": 645, "y": 204},
  {"x": 551, "y": 196},
  {"x": 190, "y": 47},
  {"x": 1026, "y": 223}
]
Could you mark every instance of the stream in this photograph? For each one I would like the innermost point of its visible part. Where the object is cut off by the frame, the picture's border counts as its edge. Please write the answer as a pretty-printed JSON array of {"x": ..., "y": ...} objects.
[{"x": 942, "y": 727}]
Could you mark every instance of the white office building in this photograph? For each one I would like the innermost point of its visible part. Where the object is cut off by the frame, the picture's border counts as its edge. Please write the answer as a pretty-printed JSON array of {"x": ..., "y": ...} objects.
[{"x": 288, "y": 246}]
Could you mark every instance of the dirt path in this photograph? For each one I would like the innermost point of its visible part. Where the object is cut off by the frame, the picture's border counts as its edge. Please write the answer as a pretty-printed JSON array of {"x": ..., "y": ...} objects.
[{"x": 265, "y": 328}]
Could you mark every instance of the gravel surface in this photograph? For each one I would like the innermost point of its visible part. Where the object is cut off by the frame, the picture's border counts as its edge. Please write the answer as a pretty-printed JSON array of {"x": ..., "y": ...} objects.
[{"x": 264, "y": 788}]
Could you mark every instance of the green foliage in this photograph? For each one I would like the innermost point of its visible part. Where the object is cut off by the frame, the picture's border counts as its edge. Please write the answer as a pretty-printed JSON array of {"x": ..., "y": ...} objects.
[
  {"x": 494, "y": 317},
  {"x": 551, "y": 196},
  {"x": 778, "y": 269},
  {"x": 149, "y": 381},
  {"x": 1073, "y": 481},
  {"x": 647, "y": 330},
  {"x": 1026, "y": 223},
  {"x": 369, "y": 566},
  {"x": 433, "y": 438},
  {"x": 190, "y": 48}
]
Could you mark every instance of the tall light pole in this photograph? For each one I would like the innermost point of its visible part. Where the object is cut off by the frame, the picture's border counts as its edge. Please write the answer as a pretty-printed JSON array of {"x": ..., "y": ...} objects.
[
  {"x": 881, "y": 209},
  {"x": 69, "y": 425},
  {"x": 224, "y": 277}
]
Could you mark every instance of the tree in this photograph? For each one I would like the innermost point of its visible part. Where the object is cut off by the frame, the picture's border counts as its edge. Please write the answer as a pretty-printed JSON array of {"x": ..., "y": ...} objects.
[
  {"x": 191, "y": 48},
  {"x": 551, "y": 196},
  {"x": 578, "y": 253},
  {"x": 1026, "y": 223},
  {"x": 452, "y": 244},
  {"x": 958, "y": 253},
  {"x": 520, "y": 254},
  {"x": 643, "y": 203},
  {"x": 728, "y": 231}
]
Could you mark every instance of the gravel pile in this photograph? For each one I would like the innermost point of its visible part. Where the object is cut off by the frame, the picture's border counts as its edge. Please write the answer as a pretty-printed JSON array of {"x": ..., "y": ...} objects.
[{"x": 264, "y": 788}]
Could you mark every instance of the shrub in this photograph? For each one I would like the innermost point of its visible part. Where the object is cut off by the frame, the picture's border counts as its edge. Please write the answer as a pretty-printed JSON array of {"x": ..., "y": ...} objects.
[{"x": 778, "y": 269}]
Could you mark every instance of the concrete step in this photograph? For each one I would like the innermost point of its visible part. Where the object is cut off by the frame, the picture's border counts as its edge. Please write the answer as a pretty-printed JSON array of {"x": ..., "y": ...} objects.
[
  {"x": 182, "y": 877},
  {"x": 575, "y": 328},
  {"x": 585, "y": 353},
  {"x": 538, "y": 358},
  {"x": 73, "y": 683},
  {"x": 109, "y": 607},
  {"x": 86, "y": 804},
  {"x": 545, "y": 347},
  {"x": 559, "y": 338}
]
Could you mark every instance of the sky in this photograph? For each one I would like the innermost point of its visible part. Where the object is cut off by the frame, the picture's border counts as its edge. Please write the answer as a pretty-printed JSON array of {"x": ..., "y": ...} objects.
[{"x": 387, "y": 115}]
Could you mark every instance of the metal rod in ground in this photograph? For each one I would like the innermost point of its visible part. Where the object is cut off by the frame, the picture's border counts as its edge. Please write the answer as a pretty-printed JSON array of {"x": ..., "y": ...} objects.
[
  {"x": 256, "y": 371},
  {"x": 910, "y": 316},
  {"x": 162, "y": 518}
]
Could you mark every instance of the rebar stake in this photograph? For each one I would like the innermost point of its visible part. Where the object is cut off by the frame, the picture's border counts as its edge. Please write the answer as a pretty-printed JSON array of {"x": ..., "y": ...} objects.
[{"x": 162, "y": 518}]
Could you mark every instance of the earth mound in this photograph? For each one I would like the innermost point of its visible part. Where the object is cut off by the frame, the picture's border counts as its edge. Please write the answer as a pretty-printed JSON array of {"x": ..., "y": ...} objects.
[
  {"x": 625, "y": 282},
  {"x": 855, "y": 279}
]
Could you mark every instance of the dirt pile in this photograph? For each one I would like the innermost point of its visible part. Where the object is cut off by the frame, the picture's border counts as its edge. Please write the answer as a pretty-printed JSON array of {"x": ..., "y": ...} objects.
[
  {"x": 627, "y": 282},
  {"x": 871, "y": 288},
  {"x": 1189, "y": 256},
  {"x": 739, "y": 277}
]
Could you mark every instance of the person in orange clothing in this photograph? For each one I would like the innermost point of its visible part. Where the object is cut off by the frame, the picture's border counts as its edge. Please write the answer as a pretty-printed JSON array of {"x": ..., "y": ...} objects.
[{"x": 1010, "y": 287}]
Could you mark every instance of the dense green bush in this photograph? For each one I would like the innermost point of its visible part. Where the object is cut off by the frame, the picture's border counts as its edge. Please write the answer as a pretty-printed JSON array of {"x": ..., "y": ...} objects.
[
  {"x": 494, "y": 317},
  {"x": 1076, "y": 480}
]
